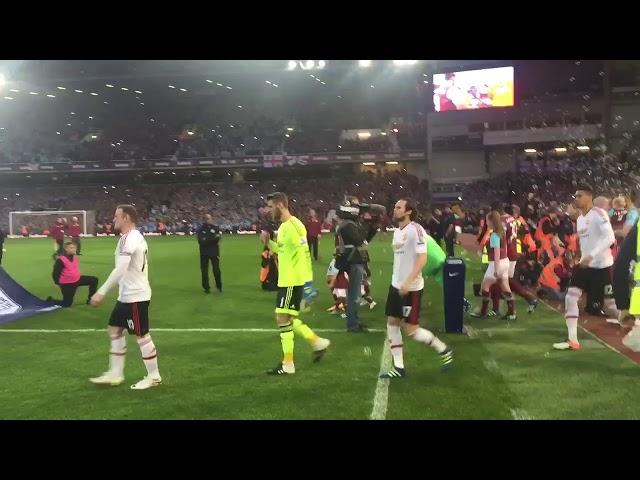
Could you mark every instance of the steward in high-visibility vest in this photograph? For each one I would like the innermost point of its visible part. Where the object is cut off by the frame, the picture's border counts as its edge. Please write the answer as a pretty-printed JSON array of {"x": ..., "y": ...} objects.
[
  {"x": 626, "y": 288},
  {"x": 548, "y": 277},
  {"x": 626, "y": 291},
  {"x": 539, "y": 233},
  {"x": 529, "y": 244},
  {"x": 572, "y": 243},
  {"x": 525, "y": 242},
  {"x": 520, "y": 225},
  {"x": 268, "y": 270},
  {"x": 634, "y": 306},
  {"x": 555, "y": 276},
  {"x": 485, "y": 253},
  {"x": 545, "y": 239}
]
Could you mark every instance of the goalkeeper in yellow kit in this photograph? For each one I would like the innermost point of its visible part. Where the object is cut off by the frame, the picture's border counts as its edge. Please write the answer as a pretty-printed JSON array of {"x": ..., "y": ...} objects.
[{"x": 294, "y": 265}]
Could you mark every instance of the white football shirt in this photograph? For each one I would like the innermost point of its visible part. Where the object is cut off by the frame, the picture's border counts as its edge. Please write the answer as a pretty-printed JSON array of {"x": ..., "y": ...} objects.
[
  {"x": 134, "y": 284},
  {"x": 596, "y": 237},
  {"x": 408, "y": 243}
]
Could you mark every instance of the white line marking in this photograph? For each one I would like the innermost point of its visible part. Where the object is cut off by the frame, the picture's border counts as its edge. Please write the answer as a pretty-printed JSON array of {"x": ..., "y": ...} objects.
[
  {"x": 216, "y": 330},
  {"x": 491, "y": 365},
  {"x": 471, "y": 332},
  {"x": 517, "y": 413},
  {"x": 520, "y": 414},
  {"x": 502, "y": 329},
  {"x": 381, "y": 397}
]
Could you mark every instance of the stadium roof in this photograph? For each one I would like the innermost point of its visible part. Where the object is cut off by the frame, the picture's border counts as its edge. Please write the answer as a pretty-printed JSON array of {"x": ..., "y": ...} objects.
[{"x": 66, "y": 98}]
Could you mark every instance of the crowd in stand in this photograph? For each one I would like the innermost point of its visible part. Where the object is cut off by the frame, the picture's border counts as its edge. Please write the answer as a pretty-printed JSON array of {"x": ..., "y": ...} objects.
[
  {"x": 263, "y": 136},
  {"x": 556, "y": 181},
  {"x": 234, "y": 206}
]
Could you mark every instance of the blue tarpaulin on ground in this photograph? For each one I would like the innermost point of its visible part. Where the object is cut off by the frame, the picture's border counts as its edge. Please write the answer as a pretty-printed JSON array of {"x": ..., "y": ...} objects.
[{"x": 17, "y": 303}]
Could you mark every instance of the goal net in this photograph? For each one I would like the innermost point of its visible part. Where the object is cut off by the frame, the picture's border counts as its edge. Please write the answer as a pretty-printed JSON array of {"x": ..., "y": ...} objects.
[{"x": 39, "y": 222}]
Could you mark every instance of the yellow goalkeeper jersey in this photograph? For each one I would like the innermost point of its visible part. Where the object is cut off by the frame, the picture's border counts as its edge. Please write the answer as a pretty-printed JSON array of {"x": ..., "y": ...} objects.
[{"x": 294, "y": 258}]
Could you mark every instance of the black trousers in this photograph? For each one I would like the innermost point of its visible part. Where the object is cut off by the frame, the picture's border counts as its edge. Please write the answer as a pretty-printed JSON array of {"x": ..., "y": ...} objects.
[
  {"x": 69, "y": 290},
  {"x": 313, "y": 246},
  {"x": 78, "y": 243},
  {"x": 449, "y": 243},
  {"x": 204, "y": 269}
]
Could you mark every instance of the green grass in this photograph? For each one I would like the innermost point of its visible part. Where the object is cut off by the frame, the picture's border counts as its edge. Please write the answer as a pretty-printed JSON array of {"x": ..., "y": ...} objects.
[{"x": 505, "y": 370}]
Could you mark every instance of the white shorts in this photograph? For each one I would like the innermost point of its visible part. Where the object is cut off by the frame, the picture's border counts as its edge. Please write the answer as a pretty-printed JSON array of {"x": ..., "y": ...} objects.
[
  {"x": 512, "y": 268},
  {"x": 502, "y": 266},
  {"x": 340, "y": 292}
]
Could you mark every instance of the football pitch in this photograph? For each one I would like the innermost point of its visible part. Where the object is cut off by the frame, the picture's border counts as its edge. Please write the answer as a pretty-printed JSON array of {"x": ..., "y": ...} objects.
[{"x": 214, "y": 349}]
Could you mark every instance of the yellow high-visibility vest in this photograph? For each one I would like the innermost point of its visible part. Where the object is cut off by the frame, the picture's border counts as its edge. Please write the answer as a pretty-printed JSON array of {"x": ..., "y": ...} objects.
[
  {"x": 518, "y": 241},
  {"x": 485, "y": 251},
  {"x": 634, "y": 307}
]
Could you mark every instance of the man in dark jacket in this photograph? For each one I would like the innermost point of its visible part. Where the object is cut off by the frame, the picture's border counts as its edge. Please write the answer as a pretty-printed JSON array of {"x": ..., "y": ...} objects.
[
  {"x": 209, "y": 241},
  {"x": 357, "y": 227},
  {"x": 452, "y": 225},
  {"x": 433, "y": 226}
]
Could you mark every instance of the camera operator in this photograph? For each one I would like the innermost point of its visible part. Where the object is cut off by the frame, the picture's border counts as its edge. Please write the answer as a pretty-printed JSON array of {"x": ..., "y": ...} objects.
[{"x": 357, "y": 225}]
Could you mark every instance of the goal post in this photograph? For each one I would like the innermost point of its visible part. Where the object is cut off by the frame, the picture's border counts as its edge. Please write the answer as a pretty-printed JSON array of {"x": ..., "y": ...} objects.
[{"x": 38, "y": 221}]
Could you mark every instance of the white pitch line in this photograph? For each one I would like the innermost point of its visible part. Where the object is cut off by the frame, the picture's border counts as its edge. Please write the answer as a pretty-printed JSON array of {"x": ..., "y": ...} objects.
[
  {"x": 215, "y": 330},
  {"x": 381, "y": 397},
  {"x": 491, "y": 365},
  {"x": 521, "y": 414},
  {"x": 502, "y": 329}
]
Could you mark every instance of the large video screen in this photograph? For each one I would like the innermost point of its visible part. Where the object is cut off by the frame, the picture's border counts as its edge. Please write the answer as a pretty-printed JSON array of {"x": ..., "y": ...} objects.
[{"x": 473, "y": 89}]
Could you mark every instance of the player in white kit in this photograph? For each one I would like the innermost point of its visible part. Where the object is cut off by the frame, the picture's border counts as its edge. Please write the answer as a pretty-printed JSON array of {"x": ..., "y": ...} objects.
[
  {"x": 594, "y": 269},
  {"x": 405, "y": 292},
  {"x": 131, "y": 312}
]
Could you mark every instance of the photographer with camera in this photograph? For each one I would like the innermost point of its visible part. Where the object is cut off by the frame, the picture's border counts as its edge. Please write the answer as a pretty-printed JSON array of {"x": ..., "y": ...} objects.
[{"x": 357, "y": 225}]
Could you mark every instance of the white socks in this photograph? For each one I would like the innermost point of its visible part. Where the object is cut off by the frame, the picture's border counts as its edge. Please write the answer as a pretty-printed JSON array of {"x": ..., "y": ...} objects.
[
  {"x": 610, "y": 307},
  {"x": 423, "y": 335},
  {"x": 117, "y": 354},
  {"x": 149, "y": 355},
  {"x": 394, "y": 334},
  {"x": 571, "y": 312}
]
